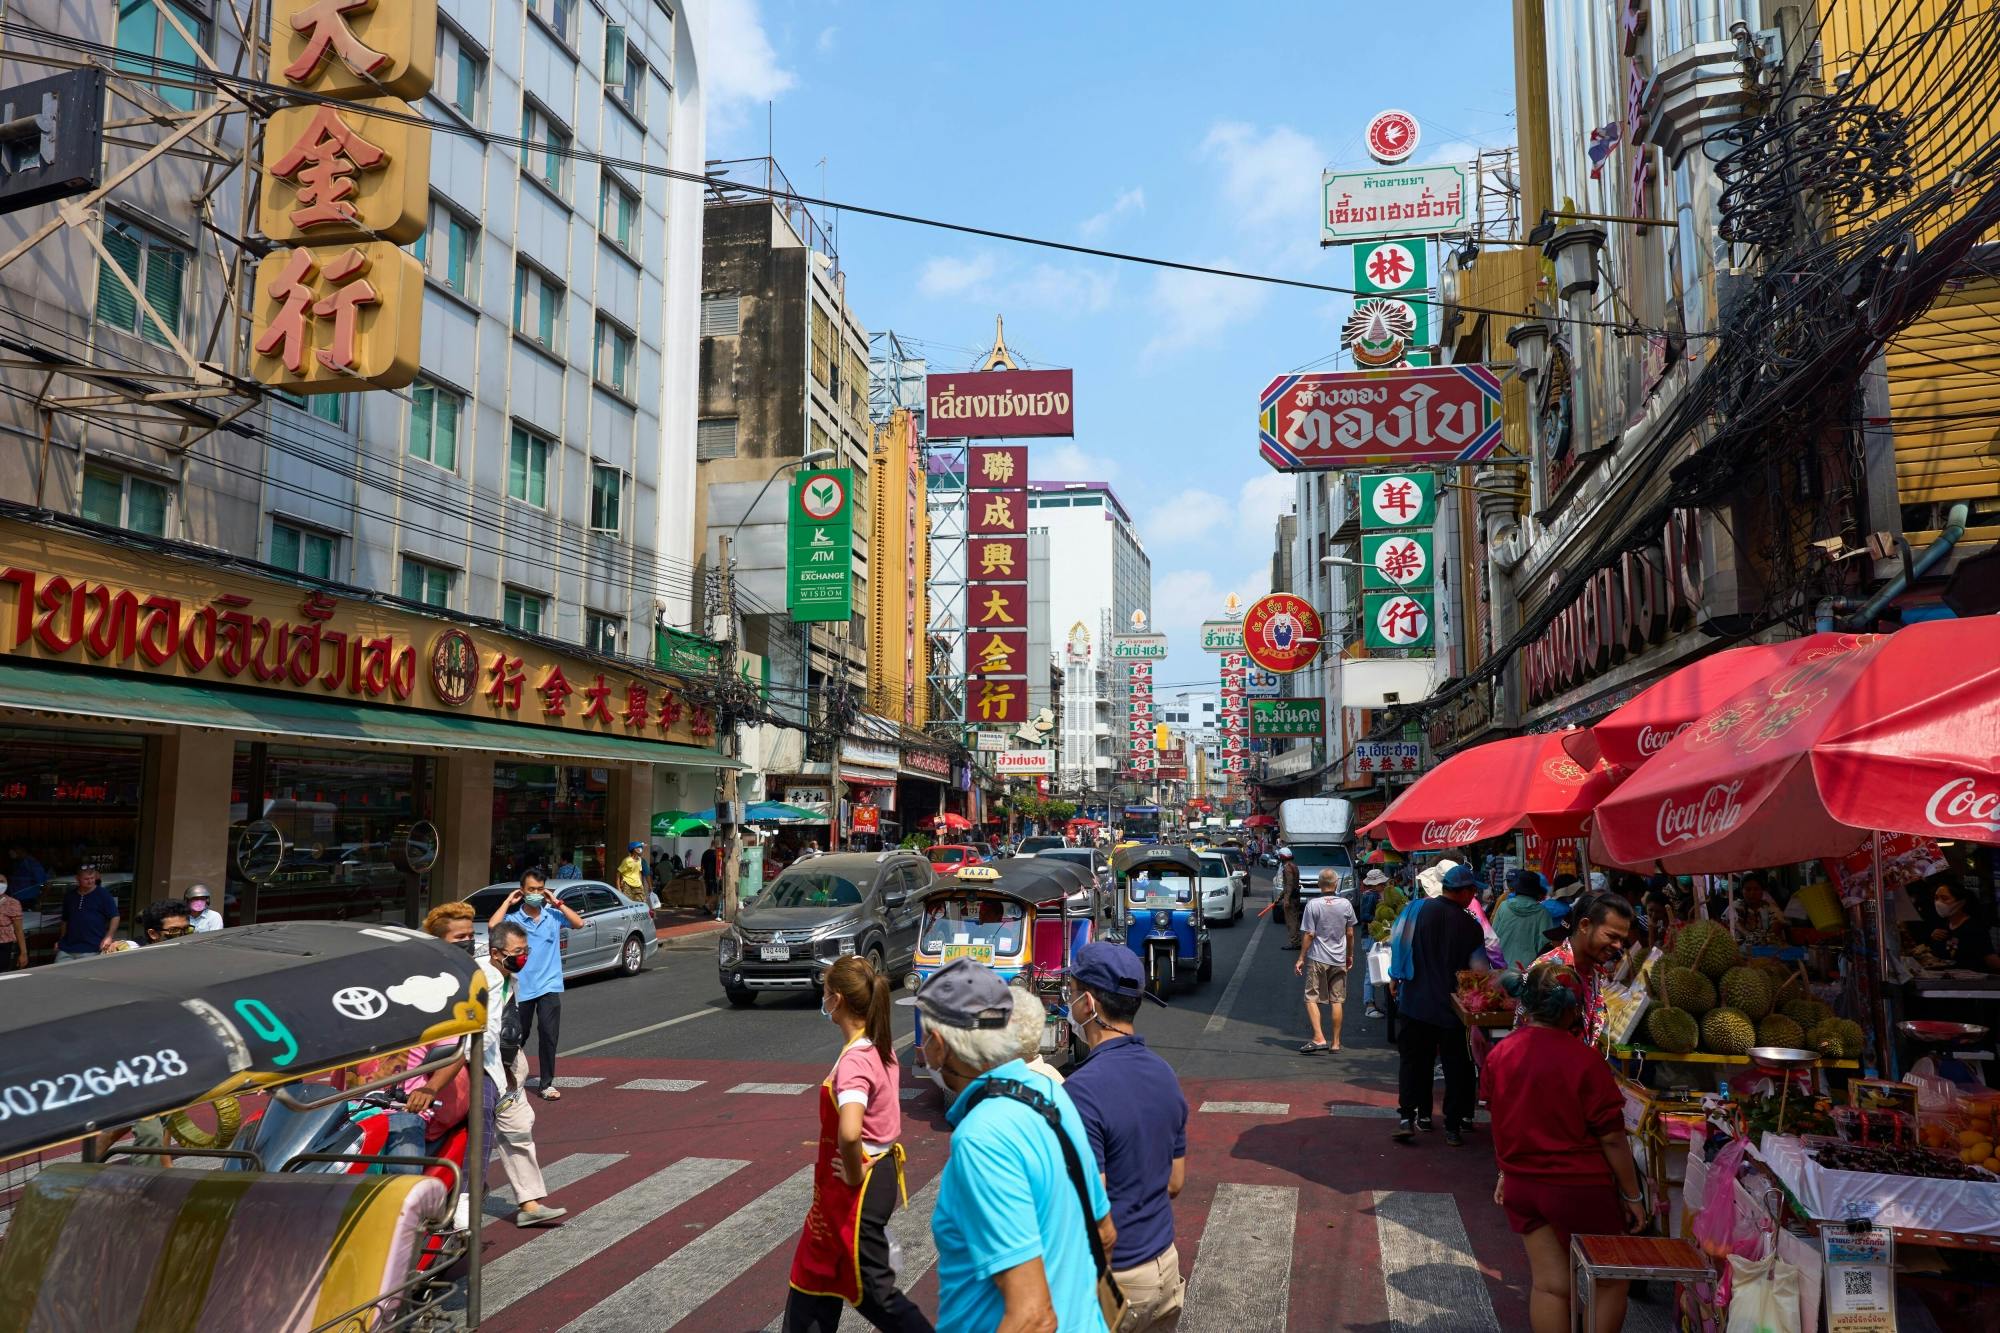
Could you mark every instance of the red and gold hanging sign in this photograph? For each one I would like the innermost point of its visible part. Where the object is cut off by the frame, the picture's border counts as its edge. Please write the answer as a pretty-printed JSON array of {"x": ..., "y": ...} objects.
[{"x": 338, "y": 305}]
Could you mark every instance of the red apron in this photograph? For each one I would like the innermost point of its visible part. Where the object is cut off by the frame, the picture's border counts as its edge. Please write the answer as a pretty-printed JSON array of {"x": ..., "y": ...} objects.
[{"x": 828, "y": 1261}]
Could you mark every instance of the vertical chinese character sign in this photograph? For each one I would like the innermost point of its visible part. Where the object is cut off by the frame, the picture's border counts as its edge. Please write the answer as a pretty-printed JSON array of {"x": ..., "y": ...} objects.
[
  {"x": 338, "y": 305},
  {"x": 1235, "y": 720},
  {"x": 996, "y": 585},
  {"x": 819, "y": 546},
  {"x": 1398, "y": 604},
  {"x": 1391, "y": 323},
  {"x": 1140, "y": 755}
]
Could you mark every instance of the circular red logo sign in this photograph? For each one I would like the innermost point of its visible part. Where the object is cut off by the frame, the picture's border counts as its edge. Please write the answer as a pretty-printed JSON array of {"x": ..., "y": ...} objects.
[
  {"x": 1281, "y": 632},
  {"x": 1391, "y": 136},
  {"x": 454, "y": 667}
]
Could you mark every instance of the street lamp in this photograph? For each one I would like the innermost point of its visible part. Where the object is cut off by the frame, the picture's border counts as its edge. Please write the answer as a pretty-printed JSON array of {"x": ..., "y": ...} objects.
[
  {"x": 1530, "y": 342},
  {"x": 1574, "y": 250}
]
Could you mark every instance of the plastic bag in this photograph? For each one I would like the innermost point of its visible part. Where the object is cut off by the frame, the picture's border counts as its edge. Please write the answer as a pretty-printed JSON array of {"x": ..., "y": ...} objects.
[
  {"x": 1727, "y": 1226},
  {"x": 1765, "y": 1298}
]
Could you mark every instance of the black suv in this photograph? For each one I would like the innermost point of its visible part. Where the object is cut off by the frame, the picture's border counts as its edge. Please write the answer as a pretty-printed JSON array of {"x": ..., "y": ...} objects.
[{"x": 818, "y": 909}]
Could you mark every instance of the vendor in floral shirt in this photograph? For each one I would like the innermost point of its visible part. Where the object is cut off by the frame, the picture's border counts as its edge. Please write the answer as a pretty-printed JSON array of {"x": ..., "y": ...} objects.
[{"x": 1603, "y": 924}]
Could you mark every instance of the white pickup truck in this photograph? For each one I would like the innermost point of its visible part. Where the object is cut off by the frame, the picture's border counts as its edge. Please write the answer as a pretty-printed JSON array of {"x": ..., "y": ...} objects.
[{"x": 1320, "y": 832}]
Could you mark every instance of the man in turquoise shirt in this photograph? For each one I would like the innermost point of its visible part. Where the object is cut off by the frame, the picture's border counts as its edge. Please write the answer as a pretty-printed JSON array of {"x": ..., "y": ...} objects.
[{"x": 1009, "y": 1224}]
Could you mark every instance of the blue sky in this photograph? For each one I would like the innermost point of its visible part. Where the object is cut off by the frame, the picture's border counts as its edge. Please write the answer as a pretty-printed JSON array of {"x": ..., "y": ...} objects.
[{"x": 1192, "y": 133}]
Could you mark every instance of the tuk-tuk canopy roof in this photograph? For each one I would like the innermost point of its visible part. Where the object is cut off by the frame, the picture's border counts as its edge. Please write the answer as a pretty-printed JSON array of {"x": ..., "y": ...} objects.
[
  {"x": 1025, "y": 879},
  {"x": 136, "y": 1033},
  {"x": 1122, "y": 862}
]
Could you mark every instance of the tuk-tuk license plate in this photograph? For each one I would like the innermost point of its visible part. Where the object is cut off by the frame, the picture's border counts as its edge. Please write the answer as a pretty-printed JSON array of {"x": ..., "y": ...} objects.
[
  {"x": 777, "y": 953},
  {"x": 978, "y": 953}
]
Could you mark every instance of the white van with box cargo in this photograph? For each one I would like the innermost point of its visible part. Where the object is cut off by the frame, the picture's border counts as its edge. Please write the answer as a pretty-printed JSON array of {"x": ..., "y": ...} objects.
[{"x": 1320, "y": 832}]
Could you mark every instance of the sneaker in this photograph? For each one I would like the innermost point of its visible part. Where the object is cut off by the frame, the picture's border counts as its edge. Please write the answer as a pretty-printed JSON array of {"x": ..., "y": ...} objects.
[
  {"x": 1454, "y": 1137},
  {"x": 1424, "y": 1123},
  {"x": 1372, "y": 1012},
  {"x": 539, "y": 1217},
  {"x": 1406, "y": 1129}
]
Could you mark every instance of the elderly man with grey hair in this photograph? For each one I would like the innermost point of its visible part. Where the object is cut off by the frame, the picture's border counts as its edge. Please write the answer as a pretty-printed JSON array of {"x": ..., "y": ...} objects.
[{"x": 1020, "y": 1223}]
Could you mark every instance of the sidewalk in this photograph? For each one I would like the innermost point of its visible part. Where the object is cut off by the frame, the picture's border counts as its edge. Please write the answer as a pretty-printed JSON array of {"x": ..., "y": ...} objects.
[{"x": 683, "y": 924}]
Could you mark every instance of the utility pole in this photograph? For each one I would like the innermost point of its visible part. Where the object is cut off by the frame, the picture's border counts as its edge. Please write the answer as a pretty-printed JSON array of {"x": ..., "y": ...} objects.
[{"x": 722, "y": 628}]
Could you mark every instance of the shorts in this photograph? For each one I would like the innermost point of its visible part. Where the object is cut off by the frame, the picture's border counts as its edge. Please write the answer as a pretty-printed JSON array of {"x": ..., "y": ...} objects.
[
  {"x": 1326, "y": 983},
  {"x": 1587, "y": 1208}
]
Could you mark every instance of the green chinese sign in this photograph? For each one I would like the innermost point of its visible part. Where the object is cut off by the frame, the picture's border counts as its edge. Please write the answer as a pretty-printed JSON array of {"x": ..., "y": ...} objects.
[
  {"x": 689, "y": 654},
  {"x": 1398, "y": 501},
  {"x": 1384, "y": 268},
  {"x": 819, "y": 566},
  {"x": 1222, "y": 636},
  {"x": 1287, "y": 717},
  {"x": 1398, "y": 619},
  {"x": 1397, "y": 560}
]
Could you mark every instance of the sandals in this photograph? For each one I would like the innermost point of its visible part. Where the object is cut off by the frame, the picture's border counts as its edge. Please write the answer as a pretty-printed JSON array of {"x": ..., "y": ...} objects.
[
  {"x": 1314, "y": 1048},
  {"x": 551, "y": 1094}
]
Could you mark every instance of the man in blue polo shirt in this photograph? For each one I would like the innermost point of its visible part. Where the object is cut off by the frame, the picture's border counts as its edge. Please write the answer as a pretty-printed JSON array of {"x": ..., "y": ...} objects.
[
  {"x": 1009, "y": 1223},
  {"x": 1136, "y": 1115},
  {"x": 543, "y": 917}
]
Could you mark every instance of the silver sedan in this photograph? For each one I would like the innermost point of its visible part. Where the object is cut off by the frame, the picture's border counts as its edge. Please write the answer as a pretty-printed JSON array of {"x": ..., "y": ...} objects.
[{"x": 617, "y": 933}]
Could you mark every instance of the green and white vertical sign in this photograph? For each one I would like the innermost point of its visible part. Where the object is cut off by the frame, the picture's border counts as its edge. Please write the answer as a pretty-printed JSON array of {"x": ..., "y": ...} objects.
[
  {"x": 1398, "y": 501},
  {"x": 819, "y": 565}
]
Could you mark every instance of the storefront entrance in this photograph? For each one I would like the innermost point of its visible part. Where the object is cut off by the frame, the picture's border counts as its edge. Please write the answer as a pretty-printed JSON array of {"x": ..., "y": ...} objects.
[{"x": 68, "y": 799}]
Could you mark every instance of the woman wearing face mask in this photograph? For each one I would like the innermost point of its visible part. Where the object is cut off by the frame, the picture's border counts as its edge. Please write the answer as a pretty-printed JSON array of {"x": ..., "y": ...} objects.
[{"x": 843, "y": 1252}]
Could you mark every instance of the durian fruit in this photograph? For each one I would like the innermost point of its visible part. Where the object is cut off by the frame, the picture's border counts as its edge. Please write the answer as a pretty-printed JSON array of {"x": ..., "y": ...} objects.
[
  {"x": 1774, "y": 969},
  {"x": 1777, "y": 1030},
  {"x": 1686, "y": 989},
  {"x": 1706, "y": 947},
  {"x": 1747, "y": 989},
  {"x": 1671, "y": 1029},
  {"x": 1727, "y": 1031},
  {"x": 1837, "y": 1037},
  {"x": 1808, "y": 1014}
]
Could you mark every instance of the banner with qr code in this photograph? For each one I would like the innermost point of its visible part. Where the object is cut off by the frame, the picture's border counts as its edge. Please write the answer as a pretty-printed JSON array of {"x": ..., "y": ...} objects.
[{"x": 1860, "y": 1279}]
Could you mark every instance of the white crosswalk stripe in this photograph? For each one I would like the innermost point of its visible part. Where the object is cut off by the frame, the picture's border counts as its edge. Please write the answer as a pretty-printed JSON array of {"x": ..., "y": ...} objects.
[
  {"x": 1428, "y": 1273},
  {"x": 662, "y": 1085},
  {"x": 587, "y": 1234},
  {"x": 1244, "y": 1279},
  {"x": 1245, "y": 1108},
  {"x": 576, "y": 1081},
  {"x": 557, "y": 1175},
  {"x": 688, "y": 1278},
  {"x": 772, "y": 1089}
]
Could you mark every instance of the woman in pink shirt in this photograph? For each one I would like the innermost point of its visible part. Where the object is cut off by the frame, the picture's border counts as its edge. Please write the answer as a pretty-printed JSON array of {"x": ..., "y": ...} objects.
[{"x": 843, "y": 1252}]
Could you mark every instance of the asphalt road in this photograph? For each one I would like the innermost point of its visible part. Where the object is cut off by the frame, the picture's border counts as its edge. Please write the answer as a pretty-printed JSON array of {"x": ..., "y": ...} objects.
[{"x": 1245, "y": 1023}]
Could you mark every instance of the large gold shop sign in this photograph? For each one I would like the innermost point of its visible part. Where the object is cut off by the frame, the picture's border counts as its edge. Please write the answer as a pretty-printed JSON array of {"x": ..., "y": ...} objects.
[
  {"x": 66, "y": 601},
  {"x": 339, "y": 306},
  {"x": 1626, "y": 608}
]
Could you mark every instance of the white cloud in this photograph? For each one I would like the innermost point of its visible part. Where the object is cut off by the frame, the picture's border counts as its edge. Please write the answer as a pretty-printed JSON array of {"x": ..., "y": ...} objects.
[
  {"x": 948, "y": 275},
  {"x": 1194, "y": 309},
  {"x": 1270, "y": 178},
  {"x": 826, "y": 40},
  {"x": 1066, "y": 462},
  {"x": 1131, "y": 201},
  {"x": 986, "y": 279},
  {"x": 1183, "y": 598},
  {"x": 1262, "y": 499},
  {"x": 1188, "y": 516},
  {"x": 741, "y": 69}
]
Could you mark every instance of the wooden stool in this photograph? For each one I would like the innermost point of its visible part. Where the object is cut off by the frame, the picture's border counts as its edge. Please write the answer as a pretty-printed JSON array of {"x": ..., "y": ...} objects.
[{"x": 1625, "y": 1259}]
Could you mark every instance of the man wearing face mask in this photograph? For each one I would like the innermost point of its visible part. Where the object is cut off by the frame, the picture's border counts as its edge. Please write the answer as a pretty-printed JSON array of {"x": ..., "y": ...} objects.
[
  {"x": 541, "y": 979},
  {"x": 1012, "y": 1223},
  {"x": 1136, "y": 1116}
]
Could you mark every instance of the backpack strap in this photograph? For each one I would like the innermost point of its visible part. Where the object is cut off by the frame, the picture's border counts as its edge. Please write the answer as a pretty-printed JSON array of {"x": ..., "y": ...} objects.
[{"x": 1015, "y": 1090}]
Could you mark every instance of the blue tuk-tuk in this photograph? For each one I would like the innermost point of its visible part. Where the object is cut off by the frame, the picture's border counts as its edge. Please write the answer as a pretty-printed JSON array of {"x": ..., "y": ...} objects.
[
  {"x": 1020, "y": 917},
  {"x": 1160, "y": 888}
]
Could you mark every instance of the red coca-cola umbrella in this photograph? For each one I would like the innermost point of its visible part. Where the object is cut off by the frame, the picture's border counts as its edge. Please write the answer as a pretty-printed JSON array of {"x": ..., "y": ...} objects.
[
  {"x": 1525, "y": 782},
  {"x": 1640, "y": 729},
  {"x": 1737, "y": 789},
  {"x": 1915, "y": 747}
]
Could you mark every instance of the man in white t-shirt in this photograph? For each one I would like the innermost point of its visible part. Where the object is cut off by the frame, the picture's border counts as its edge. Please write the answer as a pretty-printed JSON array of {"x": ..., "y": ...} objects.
[{"x": 1327, "y": 930}]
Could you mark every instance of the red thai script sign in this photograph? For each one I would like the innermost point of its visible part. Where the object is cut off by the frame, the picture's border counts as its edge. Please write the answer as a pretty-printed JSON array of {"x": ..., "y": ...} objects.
[
  {"x": 1641, "y": 601},
  {"x": 990, "y": 404},
  {"x": 1377, "y": 418},
  {"x": 1281, "y": 632}
]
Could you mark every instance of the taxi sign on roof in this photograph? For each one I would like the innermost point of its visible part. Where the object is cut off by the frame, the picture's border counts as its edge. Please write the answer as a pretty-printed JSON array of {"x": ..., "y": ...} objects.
[{"x": 979, "y": 872}]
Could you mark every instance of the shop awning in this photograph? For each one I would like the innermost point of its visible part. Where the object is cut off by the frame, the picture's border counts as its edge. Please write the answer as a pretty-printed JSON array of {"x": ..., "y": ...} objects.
[
  {"x": 1524, "y": 782},
  {"x": 120, "y": 698}
]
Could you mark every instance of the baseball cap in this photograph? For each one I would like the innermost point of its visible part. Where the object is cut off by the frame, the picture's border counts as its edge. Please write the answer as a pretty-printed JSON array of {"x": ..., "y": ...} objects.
[
  {"x": 964, "y": 994},
  {"x": 1460, "y": 877},
  {"x": 635, "y": 847},
  {"x": 1285, "y": 853},
  {"x": 1111, "y": 968},
  {"x": 1375, "y": 877}
]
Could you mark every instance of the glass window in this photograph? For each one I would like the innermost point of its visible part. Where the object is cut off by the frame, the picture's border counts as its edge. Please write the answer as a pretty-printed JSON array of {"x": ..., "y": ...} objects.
[
  {"x": 522, "y": 610},
  {"x": 460, "y": 81},
  {"x": 328, "y": 407},
  {"x": 157, "y": 267},
  {"x": 544, "y": 147},
  {"x": 528, "y": 467},
  {"x": 611, "y": 358},
  {"x": 558, "y": 14},
  {"x": 434, "y": 414},
  {"x": 302, "y": 550},
  {"x": 600, "y": 632},
  {"x": 338, "y": 813},
  {"x": 537, "y": 306},
  {"x": 624, "y": 70},
  {"x": 121, "y": 500},
  {"x": 453, "y": 260},
  {"x": 606, "y": 509},
  {"x": 68, "y": 800},
  {"x": 983, "y": 930},
  {"x": 811, "y": 888},
  {"x": 549, "y": 815},
  {"x": 427, "y": 583},
  {"x": 618, "y": 213},
  {"x": 150, "y": 41}
]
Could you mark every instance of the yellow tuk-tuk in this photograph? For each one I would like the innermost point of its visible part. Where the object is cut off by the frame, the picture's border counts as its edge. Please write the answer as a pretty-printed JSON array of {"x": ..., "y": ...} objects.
[{"x": 118, "y": 1240}]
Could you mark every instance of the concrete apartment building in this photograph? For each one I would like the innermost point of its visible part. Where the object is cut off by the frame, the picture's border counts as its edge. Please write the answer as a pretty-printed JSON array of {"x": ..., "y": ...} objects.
[{"x": 528, "y": 491}]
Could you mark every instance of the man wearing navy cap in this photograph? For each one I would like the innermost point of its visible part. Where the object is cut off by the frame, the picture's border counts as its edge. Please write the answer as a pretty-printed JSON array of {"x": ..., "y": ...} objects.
[
  {"x": 1136, "y": 1115},
  {"x": 1445, "y": 938}
]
